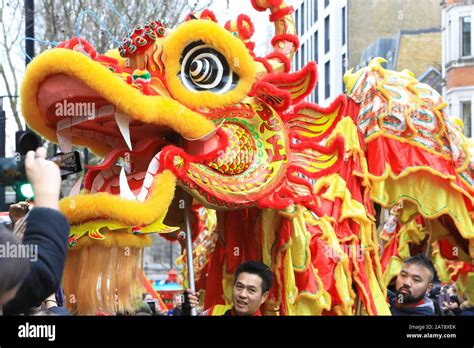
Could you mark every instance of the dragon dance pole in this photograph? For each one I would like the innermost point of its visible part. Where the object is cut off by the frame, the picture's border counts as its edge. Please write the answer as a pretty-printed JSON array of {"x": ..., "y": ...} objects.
[{"x": 188, "y": 200}]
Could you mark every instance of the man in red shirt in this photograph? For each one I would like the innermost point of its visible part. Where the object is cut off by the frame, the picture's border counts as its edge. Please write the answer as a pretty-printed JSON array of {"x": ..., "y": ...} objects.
[{"x": 252, "y": 282}]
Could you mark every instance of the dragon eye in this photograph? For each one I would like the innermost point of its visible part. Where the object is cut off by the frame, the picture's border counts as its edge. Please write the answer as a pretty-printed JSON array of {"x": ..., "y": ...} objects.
[{"x": 205, "y": 69}]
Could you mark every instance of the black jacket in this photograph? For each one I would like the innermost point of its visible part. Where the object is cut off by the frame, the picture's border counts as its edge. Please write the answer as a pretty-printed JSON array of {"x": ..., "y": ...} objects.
[
  {"x": 424, "y": 309},
  {"x": 49, "y": 230}
]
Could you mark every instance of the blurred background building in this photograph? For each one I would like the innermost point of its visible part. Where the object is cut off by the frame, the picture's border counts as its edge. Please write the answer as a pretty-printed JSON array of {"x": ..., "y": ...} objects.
[
  {"x": 341, "y": 34},
  {"x": 458, "y": 60}
]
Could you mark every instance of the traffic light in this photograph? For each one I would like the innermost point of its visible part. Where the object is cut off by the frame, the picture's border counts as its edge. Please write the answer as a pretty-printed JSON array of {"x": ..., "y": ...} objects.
[
  {"x": 24, "y": 191},
  {"x": 24, "y": 142}
]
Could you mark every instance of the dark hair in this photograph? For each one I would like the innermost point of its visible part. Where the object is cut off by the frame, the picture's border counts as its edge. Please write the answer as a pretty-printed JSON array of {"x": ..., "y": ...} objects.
[
  {"x": 258, "y": 268},
  {"x": 12, "y": 270},
  {"x": 421, "y": 260}
]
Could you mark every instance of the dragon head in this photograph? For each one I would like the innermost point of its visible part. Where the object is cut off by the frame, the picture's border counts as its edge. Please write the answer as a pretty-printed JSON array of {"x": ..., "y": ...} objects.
[{"x": 192, "y": 106}]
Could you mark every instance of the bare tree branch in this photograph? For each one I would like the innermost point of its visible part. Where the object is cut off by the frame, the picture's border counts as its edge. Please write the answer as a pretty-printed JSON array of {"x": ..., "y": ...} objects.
[{"x": 8, "y": 42}]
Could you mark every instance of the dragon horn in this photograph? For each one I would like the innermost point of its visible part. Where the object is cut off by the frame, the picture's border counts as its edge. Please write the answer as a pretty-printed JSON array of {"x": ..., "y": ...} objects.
[{"x": 285, "y": 42}]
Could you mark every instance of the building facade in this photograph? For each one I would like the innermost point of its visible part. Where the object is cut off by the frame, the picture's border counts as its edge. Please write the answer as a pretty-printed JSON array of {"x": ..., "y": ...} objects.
[
  {"x": 458, "y": 60},
  {"x": 370, "y": 20},
  {"x": 337, "y": 34},
  {"x": 322, "y": 30}
]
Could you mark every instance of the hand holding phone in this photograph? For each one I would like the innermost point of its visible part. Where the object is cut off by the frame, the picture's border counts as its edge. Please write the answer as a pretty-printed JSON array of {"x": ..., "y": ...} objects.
[
  {"x": 68, "y": 163},
  {"x": 44, "y": 177},
  {"x": 12, "y": 169}
]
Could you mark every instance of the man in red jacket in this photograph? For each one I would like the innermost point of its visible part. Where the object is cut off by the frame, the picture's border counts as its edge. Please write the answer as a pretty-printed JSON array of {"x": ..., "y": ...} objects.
[{"x": 252, "y": 283}]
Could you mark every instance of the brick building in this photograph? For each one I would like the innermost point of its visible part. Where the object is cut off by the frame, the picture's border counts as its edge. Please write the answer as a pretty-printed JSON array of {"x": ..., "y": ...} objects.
[
  {"x": 340, "y": 34},
  {"x": 458, "y": 59}
]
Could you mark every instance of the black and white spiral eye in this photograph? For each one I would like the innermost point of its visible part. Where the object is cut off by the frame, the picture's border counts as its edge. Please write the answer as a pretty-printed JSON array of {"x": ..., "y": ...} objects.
[{"x": 205, "y": 69}]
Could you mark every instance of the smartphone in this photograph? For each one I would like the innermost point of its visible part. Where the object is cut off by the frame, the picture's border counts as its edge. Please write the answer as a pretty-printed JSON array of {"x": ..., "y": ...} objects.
[
  {"x": 69, "y": 163},
  {"x": 12, "y": 169},
  {"x": 152, "y": 305},
  {"x": 186, "y": 304}
]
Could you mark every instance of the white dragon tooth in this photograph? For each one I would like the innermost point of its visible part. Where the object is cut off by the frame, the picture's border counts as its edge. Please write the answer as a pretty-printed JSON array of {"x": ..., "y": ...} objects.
[
  {"x": 78, "y": 119},
  {"x": 64, "y": 140},
  {"x": 76, "y": 188},
  {"x": 123, "y": 122},
  {"x": 98, "y": 182},
  {"x": 153, "y": 166},
  {"x": 142, "y": 195},
  {"x": 63, "y": 124},
  {"x": 106, "y": 110},
  {"x": 125, "y": 191},
  {"x": 148, "y": 180}
]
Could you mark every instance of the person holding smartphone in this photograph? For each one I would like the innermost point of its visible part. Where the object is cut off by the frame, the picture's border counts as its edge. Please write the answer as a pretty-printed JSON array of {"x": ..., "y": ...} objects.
[{"x": 47, "y": 231}]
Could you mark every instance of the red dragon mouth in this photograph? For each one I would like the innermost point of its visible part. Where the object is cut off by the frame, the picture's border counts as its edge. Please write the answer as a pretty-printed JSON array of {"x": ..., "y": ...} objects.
[{"x": 130, "y": 171}]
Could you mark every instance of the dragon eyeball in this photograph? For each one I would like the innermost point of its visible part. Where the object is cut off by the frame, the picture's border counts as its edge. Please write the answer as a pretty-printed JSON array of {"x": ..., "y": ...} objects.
[{"x": 203, "y": 68}]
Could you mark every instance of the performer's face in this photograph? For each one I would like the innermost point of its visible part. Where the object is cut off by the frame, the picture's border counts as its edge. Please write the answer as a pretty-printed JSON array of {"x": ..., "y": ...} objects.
[
  {"x": 413, "y": 283},
  {"x": 247, "y": 294}
]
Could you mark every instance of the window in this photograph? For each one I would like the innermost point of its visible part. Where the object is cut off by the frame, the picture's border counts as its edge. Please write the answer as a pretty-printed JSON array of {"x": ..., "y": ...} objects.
[
  {"x": 466, "y": 36},
  {"x": 466, "y": 117},
  {"x": 448, "y": 42},
  {"x": 297, "y": 19},
  {"x": 343, "y": 70},
  {"x": 327, "y": 76},
  {"x": 343, "y": 26},
  {"x": 315, "y": 12},
  {"x": 308, "y": 16},
  {"x": 316, "y": 46},
  {"x": 302, "y": 21},
  {"x": 326, "y": 34},
  {"x": 303, "y": 55},
  {"x": 297, "y": 60},
  {"x": 326, "y": 3}
]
